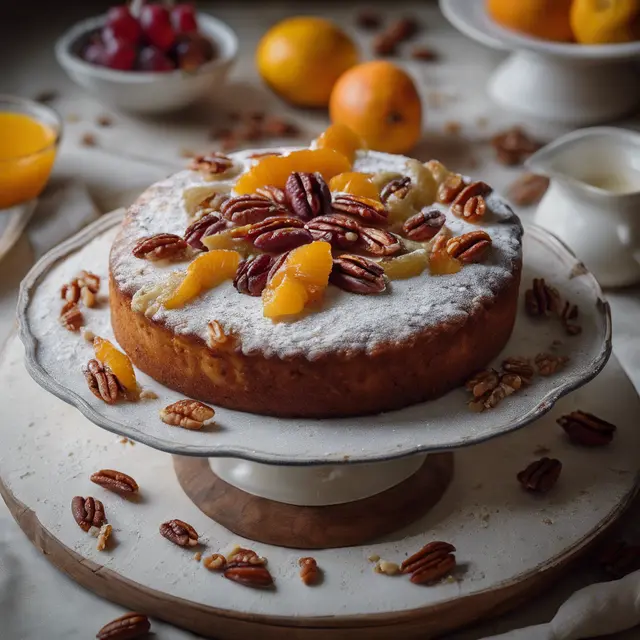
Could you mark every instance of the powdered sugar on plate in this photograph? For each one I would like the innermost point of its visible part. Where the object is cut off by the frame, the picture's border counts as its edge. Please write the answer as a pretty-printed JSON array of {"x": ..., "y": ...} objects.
[{"x": 345, "y": 322}]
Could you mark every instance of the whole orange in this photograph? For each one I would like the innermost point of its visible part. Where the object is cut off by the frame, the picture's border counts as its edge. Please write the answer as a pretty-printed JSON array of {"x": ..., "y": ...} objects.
[
  {"x": 546, "y": 19},
  {"x": 301, "y": 59},
  {"x": 380, "y": 102}
]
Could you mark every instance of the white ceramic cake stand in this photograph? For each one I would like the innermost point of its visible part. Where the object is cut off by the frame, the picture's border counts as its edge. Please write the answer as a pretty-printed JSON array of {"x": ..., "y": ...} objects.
[
  {"x": 563, "y": 82},
  {"x": 510, "y": 544},
  {"x": 315, "y": 458}
]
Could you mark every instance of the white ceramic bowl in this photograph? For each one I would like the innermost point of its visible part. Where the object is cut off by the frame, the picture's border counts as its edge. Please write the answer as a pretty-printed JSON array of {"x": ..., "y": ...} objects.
[
  {"x": 561, "y": 82},
  {"x": 145, "y": 91}
]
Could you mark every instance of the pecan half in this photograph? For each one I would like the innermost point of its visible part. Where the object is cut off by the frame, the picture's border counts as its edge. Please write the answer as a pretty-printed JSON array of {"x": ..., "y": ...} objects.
[
  {"x": 115, "y": 481},
  {"x": 424, "y": 225},
  {"x": 482, "y": 382},
  {"x": 364, "y": 208},
  {"x": 275, "y": 194},
  {"x": 357, "y": 275},
  {"x": 251, "y": 276},
  {"x": 278, "y": 234},
  {"x": 180, "y": 533},
  {"x": 469, "y": 247},
  {"x": 521, "y": 367},
  {"x": 249, "y": 575},
  {"x": 549, "y": 364},
  {"x": 211, "y": 164},
  {"x": 308, "y": 195},
  {"x": 215, "y": 562},
  {"x": 528, "y": 189},
  {"x": 101, "y": 381},
  {"x": 433, "y": 562},
  {"x": 127, "y": 627},
  {"x": 189, "y": 414},
  {"x": 162, "y": 246},
  {"x": 570, "y": 312},
  {"x": 251, "y": 208},
  {"x": 469, "y": 203},
  {"x": 208, "y": 225},
  {"x": 71, "y": 317},
  {"x": 542, "y": 299},
  {"x": 509, "y": 383},
  {"x": 340, "y": 231},
  {"x": 619, "y": 559},
  {"x": 240, "y": 556},
  {"x": 87, "y": 512},
  {"x": 587, "y": 429},
  {"x": 540, "y": 476},
  {"x": 379, "y": 242},
  {"x": 514, "y": 146},
  {"x": 399, "y": 188},
  {"x": 309, "y": 571},
  {"x": 449, "y": 189},
  {"x": 103, "y": 536},
  {"x": 71, "y": 292}
]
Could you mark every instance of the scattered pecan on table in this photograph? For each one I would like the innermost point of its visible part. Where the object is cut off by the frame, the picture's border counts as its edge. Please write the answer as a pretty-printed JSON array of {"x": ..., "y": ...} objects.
[
  {"x": 514, "y": 146},
  {"x": 540, "y": 476},
  {"x": 180, "y": 533},
  {"x": 87, "y": 512},
  {"x": 247, "y": 568},
  {"x": 587, "y": 429},
  {"x": 115, "y": 481},
  {"x": 130, "y": 626},
  {"x": 309, "y": 571},
  {"x": 431, "y": 563}
]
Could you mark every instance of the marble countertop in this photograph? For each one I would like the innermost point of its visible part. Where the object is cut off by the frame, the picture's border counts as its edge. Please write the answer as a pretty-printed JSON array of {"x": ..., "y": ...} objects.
[{"x": 36, "y": 601}]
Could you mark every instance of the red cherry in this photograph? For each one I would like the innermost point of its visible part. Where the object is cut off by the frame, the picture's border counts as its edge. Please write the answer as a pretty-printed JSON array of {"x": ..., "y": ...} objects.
[
  {"x": 119, "y": 55},
  {"x": 94, "y": 53},
  {"x": 156, "y": 26},
  {"x": 122, "y": 25},
  {"x": 183, "y": 18},
  {"x": 152, "y": 59}
]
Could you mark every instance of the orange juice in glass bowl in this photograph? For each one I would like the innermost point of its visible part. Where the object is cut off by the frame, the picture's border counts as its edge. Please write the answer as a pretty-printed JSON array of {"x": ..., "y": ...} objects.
[{"x": 29, "y": 136}]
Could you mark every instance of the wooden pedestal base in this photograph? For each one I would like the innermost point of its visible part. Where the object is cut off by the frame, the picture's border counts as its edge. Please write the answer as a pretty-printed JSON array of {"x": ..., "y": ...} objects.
[{"x": 325, "y": 527}]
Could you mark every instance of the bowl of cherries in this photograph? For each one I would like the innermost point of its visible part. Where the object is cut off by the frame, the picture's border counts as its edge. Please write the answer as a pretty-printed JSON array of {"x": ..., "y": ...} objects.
[{"x": 149, "y": 57}]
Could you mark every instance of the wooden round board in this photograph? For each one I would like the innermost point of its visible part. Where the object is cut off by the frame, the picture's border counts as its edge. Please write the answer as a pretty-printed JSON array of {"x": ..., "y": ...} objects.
[{"x": 509, "y": 544}]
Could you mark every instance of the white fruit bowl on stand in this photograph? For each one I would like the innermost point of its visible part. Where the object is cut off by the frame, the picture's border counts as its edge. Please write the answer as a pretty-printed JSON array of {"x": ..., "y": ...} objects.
[{"x": 568, "y": 83}]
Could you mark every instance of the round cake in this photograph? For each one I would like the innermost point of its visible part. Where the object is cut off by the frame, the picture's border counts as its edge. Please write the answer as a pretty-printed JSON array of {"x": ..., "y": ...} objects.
[{"x": 303, "y": 283}]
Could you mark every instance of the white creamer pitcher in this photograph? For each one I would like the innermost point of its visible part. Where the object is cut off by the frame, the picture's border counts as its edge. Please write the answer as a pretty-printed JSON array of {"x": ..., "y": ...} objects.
[{"x": 593, "y": 201}]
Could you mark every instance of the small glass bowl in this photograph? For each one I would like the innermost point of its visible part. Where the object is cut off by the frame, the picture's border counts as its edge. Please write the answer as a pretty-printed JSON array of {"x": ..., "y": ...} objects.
[{"x": 23, "y": 177}]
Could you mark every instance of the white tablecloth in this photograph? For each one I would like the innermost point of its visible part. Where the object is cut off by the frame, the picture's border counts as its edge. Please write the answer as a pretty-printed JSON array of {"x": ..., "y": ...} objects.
[{"x": 36, "y": 601}]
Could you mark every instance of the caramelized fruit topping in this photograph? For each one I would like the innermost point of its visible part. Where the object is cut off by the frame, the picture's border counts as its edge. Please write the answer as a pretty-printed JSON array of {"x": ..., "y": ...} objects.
[
  {"x": 356, "y": 184},
  {"x": 205, "y": 272},
  {"x": 342, "y": 139}
]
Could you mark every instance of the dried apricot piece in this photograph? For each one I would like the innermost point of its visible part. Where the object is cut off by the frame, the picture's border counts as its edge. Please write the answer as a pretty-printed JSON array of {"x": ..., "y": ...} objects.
[
  {"x": 274, "y": 170},
  {"x": 301, "y": 279},
  {"x": 205, "y": 272},
  {"x": 356, "y": 184},
  {"x": 117, "y": 361},
  {"x": 341, "y": 138}
]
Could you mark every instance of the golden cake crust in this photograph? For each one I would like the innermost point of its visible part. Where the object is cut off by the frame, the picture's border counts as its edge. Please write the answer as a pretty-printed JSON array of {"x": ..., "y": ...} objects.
[{"x": 396, "y": 376}]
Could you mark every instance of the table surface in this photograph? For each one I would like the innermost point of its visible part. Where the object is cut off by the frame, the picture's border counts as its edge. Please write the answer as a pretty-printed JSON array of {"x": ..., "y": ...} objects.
[{"x": 35, "y": 600}]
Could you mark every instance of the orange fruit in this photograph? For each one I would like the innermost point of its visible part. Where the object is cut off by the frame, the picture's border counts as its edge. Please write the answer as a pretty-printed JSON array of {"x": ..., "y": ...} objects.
[
  {"x": 205, "y": 272},
  {"x": 301, "y": 279},
  {"x": 342, "y": 139},
  {"x": 609, "y": 22},
  {"x": 301, "y": 58},
  {"x": 117, "y": 361},
  {"x": 274, "y": 170},
  {"x": 379, "y": 102},
  {"x": 357, "y": 184},
  {"x": 545, "y": 19}
]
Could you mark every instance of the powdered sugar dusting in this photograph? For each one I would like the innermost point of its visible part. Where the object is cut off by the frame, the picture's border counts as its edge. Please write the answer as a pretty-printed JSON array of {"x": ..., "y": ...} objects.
[{"x": 344, "y": 322}]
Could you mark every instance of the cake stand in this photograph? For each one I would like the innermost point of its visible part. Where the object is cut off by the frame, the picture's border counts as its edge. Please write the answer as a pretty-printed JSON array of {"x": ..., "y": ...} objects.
[
  {"x": 349, "y": 489},
  {"x": 568, "y": 83}
]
